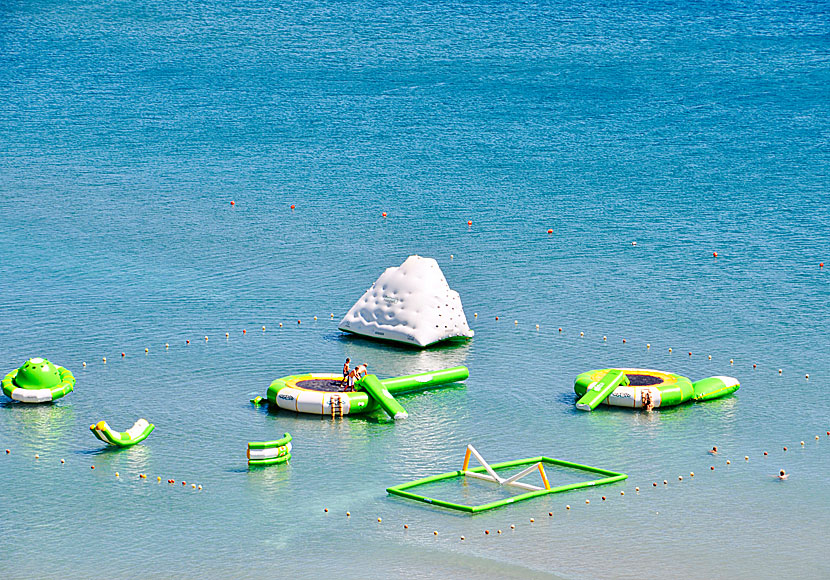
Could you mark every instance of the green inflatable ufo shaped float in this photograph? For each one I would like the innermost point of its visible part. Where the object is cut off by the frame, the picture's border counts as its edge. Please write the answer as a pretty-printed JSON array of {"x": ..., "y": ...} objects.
[{"x": 38, "y": 381}]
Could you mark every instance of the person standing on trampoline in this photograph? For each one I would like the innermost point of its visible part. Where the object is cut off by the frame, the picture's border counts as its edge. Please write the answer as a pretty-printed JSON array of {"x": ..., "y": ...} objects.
[
  {"x": 346, "y": 370},
  {"x": 350, "y": 378}
]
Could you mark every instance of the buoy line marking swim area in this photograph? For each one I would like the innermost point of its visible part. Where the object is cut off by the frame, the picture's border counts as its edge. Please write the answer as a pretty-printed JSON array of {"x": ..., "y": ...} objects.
[{"x": 516, "y": 327}]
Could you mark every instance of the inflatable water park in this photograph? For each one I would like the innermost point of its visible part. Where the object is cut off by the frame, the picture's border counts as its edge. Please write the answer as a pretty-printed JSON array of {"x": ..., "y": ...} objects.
[
  {"x": 646, "y": 388},
  {"x": 411, "y": 304},
  {"x": 323, "y": 394},
  {"x": 38, "y": 381}
]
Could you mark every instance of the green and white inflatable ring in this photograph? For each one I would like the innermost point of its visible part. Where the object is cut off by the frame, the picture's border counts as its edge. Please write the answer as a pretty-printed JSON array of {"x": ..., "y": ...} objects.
[
  {"x": 666, "y": 389},
  {"x": 38, "y": 381}
]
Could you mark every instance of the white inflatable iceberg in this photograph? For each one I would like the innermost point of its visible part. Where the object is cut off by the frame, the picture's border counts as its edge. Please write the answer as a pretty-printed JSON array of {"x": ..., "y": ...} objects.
[{"x": 411, "y": 303}]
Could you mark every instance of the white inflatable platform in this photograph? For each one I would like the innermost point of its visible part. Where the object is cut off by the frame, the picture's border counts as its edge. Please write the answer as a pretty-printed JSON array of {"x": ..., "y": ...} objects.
[{"x": 412, "y": 304}]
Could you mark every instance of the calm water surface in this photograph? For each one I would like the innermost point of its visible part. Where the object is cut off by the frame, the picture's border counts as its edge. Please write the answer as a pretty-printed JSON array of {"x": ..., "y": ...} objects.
[{"x": 126, "y": 129}]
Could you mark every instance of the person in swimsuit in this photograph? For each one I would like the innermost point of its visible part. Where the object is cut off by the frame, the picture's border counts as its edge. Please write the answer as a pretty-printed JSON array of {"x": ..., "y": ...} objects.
[
  {"x": 647, "y": 404},
  {"x": 714, "y": 450},
  {"x": 782, "y": 475},
  {"x": 361, "y": 371},
  {"x": 346, "y": 370},
  {"x": 350, "y": 381}
]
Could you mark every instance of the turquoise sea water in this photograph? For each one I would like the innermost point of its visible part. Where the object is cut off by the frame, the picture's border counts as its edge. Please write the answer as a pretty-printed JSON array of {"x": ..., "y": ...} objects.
[{"x": 126, "y": 129}]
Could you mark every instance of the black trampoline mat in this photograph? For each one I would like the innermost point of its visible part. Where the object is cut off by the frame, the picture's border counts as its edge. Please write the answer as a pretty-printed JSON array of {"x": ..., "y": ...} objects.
[
  {"x": 638, "y": 380},
  {"x": 326, "y": 385}
]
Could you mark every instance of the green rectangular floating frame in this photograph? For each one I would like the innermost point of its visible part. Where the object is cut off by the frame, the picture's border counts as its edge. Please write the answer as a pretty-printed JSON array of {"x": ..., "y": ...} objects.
[{"x": 401, "y": 490}]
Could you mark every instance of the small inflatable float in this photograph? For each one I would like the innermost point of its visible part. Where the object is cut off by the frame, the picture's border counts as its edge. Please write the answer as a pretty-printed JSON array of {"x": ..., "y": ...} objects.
[
  {"x": 270, "y": 452},
  {"x": 635, "y": 388},
  {"x": 38, "y": 381},
  {"x": 322, "y": 394},
  {"x": 135, "y": 434}
]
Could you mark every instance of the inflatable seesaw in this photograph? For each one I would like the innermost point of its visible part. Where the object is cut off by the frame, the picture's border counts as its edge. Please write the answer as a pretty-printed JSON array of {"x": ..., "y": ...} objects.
[
  {"x": 322, "y": 394},
  {"x": 135, "y": 434},
  {"x": 636, "y": 388}
]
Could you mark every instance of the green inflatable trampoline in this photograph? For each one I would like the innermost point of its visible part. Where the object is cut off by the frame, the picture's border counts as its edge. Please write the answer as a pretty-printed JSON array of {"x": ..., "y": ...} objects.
[
  {"x": 38, "y": 381},
  {"x": 638, "y": 388}
]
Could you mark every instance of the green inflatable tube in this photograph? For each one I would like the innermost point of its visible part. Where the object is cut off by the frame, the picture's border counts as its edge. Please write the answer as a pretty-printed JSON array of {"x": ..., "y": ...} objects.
[
  {"x": 715, "y": 388},
  {"x": 421, "y": 381},
  {"x": 270, "y": 452},
  {"x": 135, "y": 434},
  {"x": 372, "y": 385}
]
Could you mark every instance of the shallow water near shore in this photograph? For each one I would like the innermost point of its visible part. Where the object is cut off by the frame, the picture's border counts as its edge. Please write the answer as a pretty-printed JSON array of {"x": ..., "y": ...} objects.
[{"x": 127, "y": 130}]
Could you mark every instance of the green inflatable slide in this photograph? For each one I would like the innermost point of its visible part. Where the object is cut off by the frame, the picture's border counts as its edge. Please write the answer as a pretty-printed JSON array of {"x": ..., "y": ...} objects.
[{"x": 597, "y": 392}]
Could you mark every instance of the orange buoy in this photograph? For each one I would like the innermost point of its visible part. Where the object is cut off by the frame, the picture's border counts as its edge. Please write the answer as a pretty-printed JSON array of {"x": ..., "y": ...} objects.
[
  {"x": 233, "y": 202},
  {"x": 383, "y": 214},
  {"x": 550, "y": 231},
  {"x": 244, "y": 331},
  {"x": 469, "y": 222},
  {"x": 715, "y": 254},
  {"x": 497, "y": 317},
  {"x": 765, "y": 453},
  {"x": 292, "y": 206},
  {"x": 821, "y": 265},
  {"x": 187, "y": 342},
  {"x": 92, "y": 467},
  {"x": 623, "y": 341}
]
